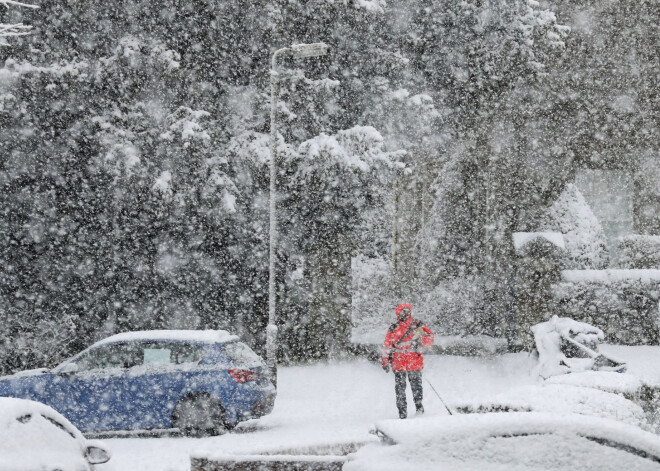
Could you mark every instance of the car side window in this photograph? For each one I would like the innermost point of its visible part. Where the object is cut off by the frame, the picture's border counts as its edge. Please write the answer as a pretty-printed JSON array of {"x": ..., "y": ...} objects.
[
  {"x": 162, "y": 353},
  {"x": 110, "y": 356}
]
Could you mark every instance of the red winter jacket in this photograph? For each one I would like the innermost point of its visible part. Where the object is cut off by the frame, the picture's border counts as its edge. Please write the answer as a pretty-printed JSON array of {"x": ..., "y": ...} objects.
[{"x": 406, "y": 355}]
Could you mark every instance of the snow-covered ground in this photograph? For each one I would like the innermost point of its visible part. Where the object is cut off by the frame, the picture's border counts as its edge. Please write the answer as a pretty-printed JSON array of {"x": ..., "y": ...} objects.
[{"x": 328, "y": 403}]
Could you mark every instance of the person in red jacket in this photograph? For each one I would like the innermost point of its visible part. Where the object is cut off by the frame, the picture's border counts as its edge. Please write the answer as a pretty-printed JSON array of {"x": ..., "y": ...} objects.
[{"x": 403, "y": 352}]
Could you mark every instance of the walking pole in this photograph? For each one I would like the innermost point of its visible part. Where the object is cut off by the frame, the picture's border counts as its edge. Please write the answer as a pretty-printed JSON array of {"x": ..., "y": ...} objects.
[{"x": 436, "y": 393}]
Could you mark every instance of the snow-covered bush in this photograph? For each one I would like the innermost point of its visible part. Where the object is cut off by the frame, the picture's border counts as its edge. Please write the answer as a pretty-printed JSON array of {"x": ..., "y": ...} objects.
[
  {"x": 450, "y": 308},
  {"x": 639, "y": 251},
  {"x": 585, "y": 241},
  {"x": 626, "y": 308}
]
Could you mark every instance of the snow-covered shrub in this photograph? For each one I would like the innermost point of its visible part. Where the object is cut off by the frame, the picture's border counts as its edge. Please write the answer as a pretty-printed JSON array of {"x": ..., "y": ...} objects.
[
  {"x": 639, "y": 251},
  {"x": 626, "y": 308},
  {"x": 584, "y": 238},
  {"x": 450, "y": 308}
]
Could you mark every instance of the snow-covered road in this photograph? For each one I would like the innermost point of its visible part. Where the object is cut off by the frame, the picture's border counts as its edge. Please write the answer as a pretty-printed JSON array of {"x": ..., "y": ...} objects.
[{"x": 326, "y": 403}]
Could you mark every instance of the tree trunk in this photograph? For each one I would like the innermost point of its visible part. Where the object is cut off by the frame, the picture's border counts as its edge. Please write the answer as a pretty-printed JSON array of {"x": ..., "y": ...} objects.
[{"x": 329, "y": 269}]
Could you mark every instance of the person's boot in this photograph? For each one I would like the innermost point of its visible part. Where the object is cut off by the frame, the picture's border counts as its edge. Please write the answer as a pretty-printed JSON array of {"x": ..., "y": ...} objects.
[{"x": 420, "y": 409}]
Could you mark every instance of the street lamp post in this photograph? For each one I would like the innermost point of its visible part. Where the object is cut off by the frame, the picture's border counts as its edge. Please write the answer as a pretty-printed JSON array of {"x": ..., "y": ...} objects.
[{"x": 298, "y": 51}]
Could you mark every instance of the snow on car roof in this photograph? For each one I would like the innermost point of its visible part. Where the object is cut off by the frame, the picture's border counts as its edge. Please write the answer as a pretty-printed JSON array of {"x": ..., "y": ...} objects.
[
  {"x": 559, "y": 398},
  {"x": 11, "y": 408},
  {"x": 620, "y": 383},
  {"x": 193, "y": 336},
  {"x": 438, "y": 429}
]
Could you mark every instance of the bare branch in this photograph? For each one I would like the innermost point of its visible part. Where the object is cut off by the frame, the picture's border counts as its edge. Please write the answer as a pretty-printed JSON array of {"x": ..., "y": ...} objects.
[
  {"x": 18, "y": 4},
  {"x": 18, "y": 29}
]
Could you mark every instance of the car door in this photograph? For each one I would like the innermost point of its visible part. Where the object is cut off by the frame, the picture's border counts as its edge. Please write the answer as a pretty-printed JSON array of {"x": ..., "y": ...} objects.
[
  {"x": 96, "y": 387},
  {"x": 167, "y": 372}
]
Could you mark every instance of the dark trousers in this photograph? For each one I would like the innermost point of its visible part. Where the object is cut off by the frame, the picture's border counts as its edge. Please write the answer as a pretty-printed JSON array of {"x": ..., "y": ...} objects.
[{"x": 415, "y": 378}]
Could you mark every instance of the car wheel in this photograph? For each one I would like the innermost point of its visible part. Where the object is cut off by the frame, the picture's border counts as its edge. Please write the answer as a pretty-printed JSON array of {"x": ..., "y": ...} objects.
[{"x": 199, "y": 416}]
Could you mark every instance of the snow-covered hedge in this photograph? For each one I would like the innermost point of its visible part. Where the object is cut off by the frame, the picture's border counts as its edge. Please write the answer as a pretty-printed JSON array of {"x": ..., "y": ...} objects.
[
  {"x": 639, "y": 251},
  {"x": 624, "y": 303}
]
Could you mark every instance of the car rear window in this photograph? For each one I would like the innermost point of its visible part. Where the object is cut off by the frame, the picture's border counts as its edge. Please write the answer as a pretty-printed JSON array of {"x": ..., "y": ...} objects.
[{"x": 240, "y": 354}]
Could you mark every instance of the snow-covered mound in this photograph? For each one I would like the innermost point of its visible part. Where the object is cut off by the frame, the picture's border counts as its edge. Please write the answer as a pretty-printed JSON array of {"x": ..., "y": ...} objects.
[{"x": 567, "y": 346}]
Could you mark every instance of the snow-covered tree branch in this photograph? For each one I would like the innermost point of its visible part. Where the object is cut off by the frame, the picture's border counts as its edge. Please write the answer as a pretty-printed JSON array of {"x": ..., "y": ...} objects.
[{"x": 8, "y": 30}]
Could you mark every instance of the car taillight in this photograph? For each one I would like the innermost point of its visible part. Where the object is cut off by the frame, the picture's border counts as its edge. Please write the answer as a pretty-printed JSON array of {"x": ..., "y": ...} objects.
[{"x": 241, "y": 375}]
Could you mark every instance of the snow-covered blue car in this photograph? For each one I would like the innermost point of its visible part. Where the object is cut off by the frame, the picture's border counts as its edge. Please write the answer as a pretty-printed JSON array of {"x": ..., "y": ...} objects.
[{"x": 199, "y": 382}]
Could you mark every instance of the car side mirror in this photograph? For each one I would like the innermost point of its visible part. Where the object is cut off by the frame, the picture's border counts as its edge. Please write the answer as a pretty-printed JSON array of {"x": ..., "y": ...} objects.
[
  {"x": 95, "y": 454},
  {"x": 68, "y": 369}
]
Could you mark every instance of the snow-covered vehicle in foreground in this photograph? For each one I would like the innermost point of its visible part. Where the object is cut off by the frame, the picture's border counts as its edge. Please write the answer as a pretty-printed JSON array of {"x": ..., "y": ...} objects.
[
  {"x": 200, "y": 382},
  {"x": 524, "y": 441},
  {"x": 34, "y": 437},
  {"x": 567, "y": 346},
  {"x": 559, "y": 399}
]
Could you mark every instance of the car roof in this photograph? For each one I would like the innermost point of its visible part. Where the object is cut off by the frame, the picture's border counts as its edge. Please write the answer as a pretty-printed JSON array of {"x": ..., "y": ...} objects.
[
  {"x": 189, "y": 336},
  {"x": 458, "y": 427},
  {"x": 10, "y": 407}
]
